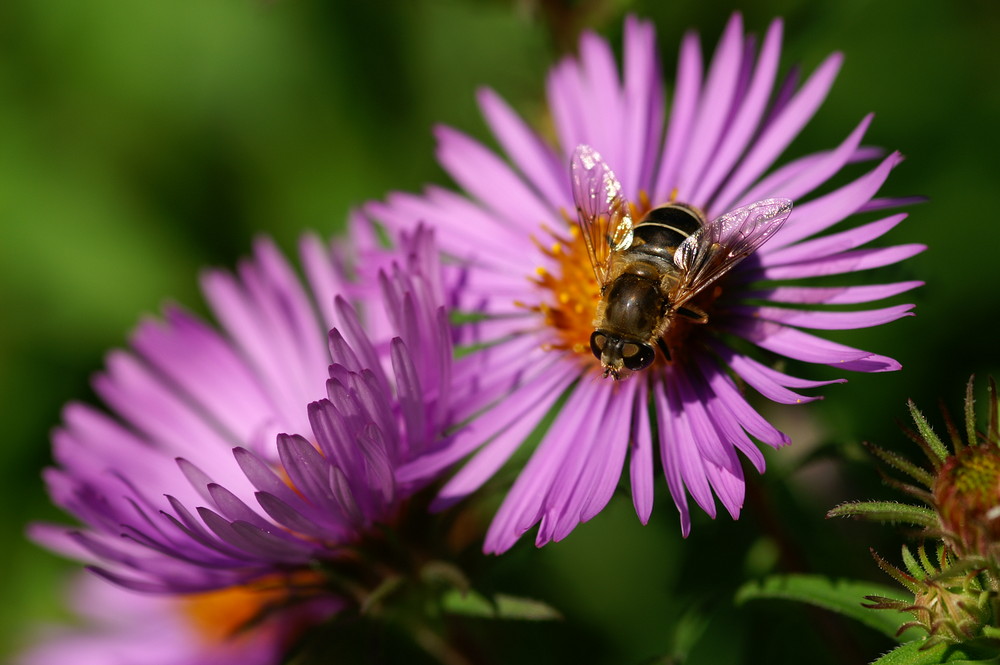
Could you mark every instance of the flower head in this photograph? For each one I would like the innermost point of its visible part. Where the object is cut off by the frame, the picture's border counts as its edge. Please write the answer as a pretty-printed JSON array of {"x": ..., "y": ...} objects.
[
  {"x": 517, "y": 232},
  {"x": 957, "y": 599},
  {"x": 221, "y": 467},
  {"x": 121, "y": 627},
  {"x": 961, "y": 491},
  {"x": 950, "y": 601}
]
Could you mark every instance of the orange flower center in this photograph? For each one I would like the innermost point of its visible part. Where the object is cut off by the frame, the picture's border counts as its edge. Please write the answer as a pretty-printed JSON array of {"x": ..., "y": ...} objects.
[
  {"x": 570, "y": 293},
  {"x": 220, "y": 616}
]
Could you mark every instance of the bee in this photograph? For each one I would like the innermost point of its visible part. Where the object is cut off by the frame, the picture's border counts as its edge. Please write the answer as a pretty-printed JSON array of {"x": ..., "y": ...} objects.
[{"x": 650, "y": 271}]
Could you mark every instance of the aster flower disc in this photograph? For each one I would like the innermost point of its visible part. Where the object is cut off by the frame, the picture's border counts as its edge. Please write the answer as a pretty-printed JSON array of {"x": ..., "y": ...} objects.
[{"x": 728, "y": 123}]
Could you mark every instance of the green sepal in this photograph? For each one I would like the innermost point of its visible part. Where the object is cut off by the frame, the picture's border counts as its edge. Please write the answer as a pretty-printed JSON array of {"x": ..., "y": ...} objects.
[
  {"x": 933, "y": 442},
  {"x": 887, "y": 511},
  {"x": 500, "y": 606},
  {"x": 900, "y": 463},
  {"x": 841, "y": 596}
]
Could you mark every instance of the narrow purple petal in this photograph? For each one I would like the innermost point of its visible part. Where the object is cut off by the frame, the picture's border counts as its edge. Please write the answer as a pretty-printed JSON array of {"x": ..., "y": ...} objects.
[
  {"x": 834, "y": 243},
  {"x": 599, "y": 78},
  {"x": 714, "y": 107},
  {"x": 567, "y": 104},
  {"x": 528, "y": 498},
  {"x": 641, "y": 461},
  {"x": 679, "y": 448},
  {"x": 489, "y": 179},
  {"x": 823, "y": 320},
  {"x": 643, "y": 90},
  {"x": 410, "y": 393},
  {"x": 682, "y": 115},
  {"x": 542, "y": 168},
  {"x": 603, "y": 474},
  {"x": 757, "y": 426},
  {"x": 671, "y": 470},
  {"x": 233, "y": 509},
  {"x": 731, "y": 430},
  {"x": 832, "y": 295},
  {"x": 819, "y": 214},
  {"x": 542, "y": 387},
  {"x": 795, "y": 343},
  {"x": 802, "y": 176},
  {"x": 291, "y": 518},
  {"x": 307, "y": 469},
  {"x": 778, "y": 134},
  {"x": 769, "y": 382},
  {"x": 846, "y": 262},
  {"x": 728, "y": 484},
  {"x": 749, "y": 110},
  {"x": 506, "y": 429}
]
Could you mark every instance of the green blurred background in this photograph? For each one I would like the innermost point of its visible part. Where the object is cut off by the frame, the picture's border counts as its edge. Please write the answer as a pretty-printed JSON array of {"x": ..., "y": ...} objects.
[{"x": 144, "y": 141}]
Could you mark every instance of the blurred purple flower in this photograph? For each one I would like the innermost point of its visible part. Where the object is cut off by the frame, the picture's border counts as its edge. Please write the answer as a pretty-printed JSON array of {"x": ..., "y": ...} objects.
[
  {"x": 121, "y": 627},
  {"x": 182, "y": 489},
  {"x": 528, "y": 273}
]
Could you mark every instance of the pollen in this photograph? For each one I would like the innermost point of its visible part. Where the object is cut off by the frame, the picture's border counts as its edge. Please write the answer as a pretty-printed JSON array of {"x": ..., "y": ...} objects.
[{"x": 568, "y": 291}]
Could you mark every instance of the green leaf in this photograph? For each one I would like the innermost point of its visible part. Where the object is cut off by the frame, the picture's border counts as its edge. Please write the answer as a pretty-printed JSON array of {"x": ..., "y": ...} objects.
[
  {"x": 841, "y": 596},
  {"x": 501, "y": 606},
  {"x": 911, "y": 653}
]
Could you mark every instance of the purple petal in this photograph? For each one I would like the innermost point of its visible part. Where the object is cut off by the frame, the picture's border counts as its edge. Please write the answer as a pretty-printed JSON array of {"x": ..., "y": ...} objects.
[
  {"x": 482, "y": 174},
  {"x": 714, "y": 107},
  {"x": 529, "y": 497},
  {"x": 778, "y": 134},
  {"x": 831, "y": 295},
  {"x": 723, "y": 387},
  {"x": 749, "y": 110},
  {"x": 803, "y": 175},
  {"x": 819, "y": 214},
  {"x": 506, "y": 429},
  {"x": 796, "y": 344},
  {"x": 822, "y": 320},
  {"x": 542, "y": 167},
  {"x": 599, "y": 80},
  {"x": 641, "y": 462},
  {"x": 832, "y": 244},
  {"x": 769, "y": 382},
  {"x": 846, "y": 262},
  {"x": 643, "y": 90},
  {"x": 682, "y": 115},
  {"x": 679, "y": 448},
  {"x": 307, "y": 469}
]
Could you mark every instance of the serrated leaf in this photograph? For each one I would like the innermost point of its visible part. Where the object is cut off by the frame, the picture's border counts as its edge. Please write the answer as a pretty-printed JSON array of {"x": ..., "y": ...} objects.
[
  {"x": 841, "y": 596},
  {"x": 954, "y": 654},
  {"x": 501, "y": 606}
]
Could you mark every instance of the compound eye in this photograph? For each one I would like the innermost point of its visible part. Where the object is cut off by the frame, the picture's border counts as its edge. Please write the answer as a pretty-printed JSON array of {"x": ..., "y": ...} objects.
[
  {"x": 637, "y": 356},
  {"x": 598, "y": 341}
]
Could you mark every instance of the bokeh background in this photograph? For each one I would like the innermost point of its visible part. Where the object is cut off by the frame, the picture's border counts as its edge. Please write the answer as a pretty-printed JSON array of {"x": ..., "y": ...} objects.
[{"x": 141, "y": 142}]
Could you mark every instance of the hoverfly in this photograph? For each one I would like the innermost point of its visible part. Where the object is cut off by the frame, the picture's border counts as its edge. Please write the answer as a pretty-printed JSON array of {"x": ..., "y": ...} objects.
[{"x": 650, "y": 271}]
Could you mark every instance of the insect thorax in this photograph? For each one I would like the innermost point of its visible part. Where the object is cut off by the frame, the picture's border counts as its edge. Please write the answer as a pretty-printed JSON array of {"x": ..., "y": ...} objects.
[{"x": 664, "y": 228}]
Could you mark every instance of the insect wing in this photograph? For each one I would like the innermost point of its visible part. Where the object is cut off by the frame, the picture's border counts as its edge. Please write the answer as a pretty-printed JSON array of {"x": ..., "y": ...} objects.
[
  {"x": 602, "y": 212},
  {"x": 717, "y": 247}
]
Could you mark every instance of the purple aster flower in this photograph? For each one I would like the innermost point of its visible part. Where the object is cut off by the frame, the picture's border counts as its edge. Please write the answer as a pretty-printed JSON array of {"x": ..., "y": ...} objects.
[
  {"x": 122, "y": 627},
  {"x": 528, "y": 273},
  {"x": 218, "y": 467}
]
